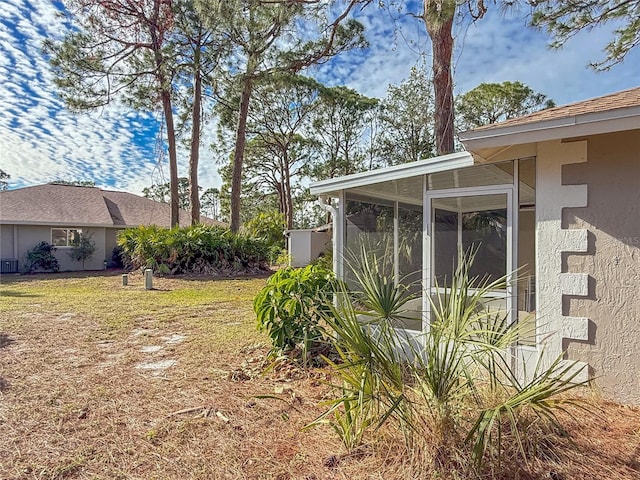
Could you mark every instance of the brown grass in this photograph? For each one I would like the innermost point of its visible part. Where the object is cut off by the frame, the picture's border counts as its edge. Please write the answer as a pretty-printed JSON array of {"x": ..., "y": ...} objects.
[{"x": 73, "y": 405}]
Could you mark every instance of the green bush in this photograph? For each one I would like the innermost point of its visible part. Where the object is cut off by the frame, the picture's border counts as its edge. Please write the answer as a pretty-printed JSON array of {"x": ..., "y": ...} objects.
[
  {"x": 270, "y": 227},
  {"x": 83, "y": 248},
  {"x": 116, "y": 260},
  {"x": 453, "y": 392},
  {"x": 40, "y": 258},
  {"x": 290, "y": 307},
  {"x": 196, "y": 249}
]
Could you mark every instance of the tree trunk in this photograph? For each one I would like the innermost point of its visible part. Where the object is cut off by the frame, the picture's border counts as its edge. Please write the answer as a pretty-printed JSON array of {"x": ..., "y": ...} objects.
[
  {"x": 165, "y": 93},
  {"x": 238, "y": 155},
  {"x": 286, "y": 178},
  {"x": 173, "y": 157},
  {"x": 195, "y": 141},
  {"x": 438, "y": 17}
]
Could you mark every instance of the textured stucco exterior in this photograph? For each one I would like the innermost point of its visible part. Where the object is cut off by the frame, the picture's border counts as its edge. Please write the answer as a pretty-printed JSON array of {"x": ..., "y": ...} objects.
[
  {"x": 17, "y": 240},
  {"x": 611, "y": 263},
  {"x": 553, "y": 241}
]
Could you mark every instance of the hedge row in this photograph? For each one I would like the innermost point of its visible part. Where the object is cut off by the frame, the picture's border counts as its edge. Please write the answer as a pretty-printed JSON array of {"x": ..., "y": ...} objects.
[{"x": 196, "y": 249}]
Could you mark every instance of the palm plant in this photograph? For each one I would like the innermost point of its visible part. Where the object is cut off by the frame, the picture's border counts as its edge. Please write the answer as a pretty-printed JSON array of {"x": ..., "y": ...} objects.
[{"x": 454, "y": 383}]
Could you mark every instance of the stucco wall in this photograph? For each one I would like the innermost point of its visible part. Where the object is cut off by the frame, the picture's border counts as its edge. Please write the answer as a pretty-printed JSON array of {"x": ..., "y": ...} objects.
[
  {"x": 30, "y": 235},
  {"x": 111, "y": 240},
  {"x": 6, "y": 242},
  {"x": 612, "y": 263},
  {"x": 553, "y": 241}
]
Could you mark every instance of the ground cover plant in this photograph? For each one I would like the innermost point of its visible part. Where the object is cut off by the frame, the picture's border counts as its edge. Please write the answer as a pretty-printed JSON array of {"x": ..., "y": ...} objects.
[
  {"x": 89, "y": 390},
  {"x": 199, "y": 249}
]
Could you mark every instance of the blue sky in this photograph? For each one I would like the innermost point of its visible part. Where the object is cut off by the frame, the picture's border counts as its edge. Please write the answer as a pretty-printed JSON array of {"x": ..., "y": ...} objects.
[{"x": 41, "y": 141}]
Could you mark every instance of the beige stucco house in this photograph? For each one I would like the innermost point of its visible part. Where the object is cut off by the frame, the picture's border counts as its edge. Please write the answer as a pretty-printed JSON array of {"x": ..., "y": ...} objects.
[
  {"x": 554, "y": 195},
  {"x": 58, "y": 213}
]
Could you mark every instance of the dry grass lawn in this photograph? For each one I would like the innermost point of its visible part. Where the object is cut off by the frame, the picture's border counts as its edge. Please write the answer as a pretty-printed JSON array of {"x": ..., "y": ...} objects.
[{"x": 101, "y": 381}]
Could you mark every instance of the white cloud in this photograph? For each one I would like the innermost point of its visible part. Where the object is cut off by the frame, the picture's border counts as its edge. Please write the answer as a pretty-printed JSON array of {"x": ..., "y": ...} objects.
[{"x": 40, "y": 140}]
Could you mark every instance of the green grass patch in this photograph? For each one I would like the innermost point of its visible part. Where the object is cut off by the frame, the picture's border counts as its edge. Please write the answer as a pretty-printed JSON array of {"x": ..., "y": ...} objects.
[{"x": 220, "y": 309}]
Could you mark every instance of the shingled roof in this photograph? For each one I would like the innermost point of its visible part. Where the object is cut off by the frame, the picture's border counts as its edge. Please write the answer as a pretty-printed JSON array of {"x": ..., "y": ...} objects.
[
  {"x": 615, "y": 112},
  {"x": 607, "y": 103},
  {"x": 54, "y": 204}
]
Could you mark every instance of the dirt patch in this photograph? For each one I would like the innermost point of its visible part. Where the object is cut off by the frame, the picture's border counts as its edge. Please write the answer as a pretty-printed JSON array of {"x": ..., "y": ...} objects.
[{"x": 73, "y": 405}]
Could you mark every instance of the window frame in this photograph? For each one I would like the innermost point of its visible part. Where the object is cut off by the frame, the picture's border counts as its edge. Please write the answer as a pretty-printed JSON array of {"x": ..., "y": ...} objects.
[{"x": 68, "y": 236}]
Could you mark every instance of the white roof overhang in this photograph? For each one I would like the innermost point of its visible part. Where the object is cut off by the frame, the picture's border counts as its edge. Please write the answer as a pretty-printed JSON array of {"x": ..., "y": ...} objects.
[
  {"x": 333, "y": 186},
  {"x": 573, "y": 126}
]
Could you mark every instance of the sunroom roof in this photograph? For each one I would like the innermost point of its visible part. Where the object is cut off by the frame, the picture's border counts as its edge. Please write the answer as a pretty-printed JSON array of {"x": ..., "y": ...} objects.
[{"x": 333, "y": 186}]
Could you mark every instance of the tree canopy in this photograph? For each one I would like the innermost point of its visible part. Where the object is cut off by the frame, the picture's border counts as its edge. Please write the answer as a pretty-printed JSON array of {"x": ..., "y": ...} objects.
[
  {"x": 119, "y": 50},
  {"x": 405, "y": 121},
  {"x": 162, "y": 193},
  {"x": 4, "y": 176},
  {"x": 565, "y": 18},
  {"x": 496, "y": 102},
  {"x": 275, "y": 37},
  {"x": 77, "y": 183}
]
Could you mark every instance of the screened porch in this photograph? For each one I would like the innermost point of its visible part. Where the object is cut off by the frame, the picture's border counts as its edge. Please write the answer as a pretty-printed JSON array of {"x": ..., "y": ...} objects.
[{"x": 415, "y": 219}]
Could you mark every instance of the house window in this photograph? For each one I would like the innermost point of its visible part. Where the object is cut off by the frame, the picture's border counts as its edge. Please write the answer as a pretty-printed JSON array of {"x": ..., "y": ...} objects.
[{"x": 65, "y": 237}]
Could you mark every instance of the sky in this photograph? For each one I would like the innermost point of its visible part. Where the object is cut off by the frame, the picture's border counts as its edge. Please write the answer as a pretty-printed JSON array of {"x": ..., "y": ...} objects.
[{"x": 116, "y": 147}]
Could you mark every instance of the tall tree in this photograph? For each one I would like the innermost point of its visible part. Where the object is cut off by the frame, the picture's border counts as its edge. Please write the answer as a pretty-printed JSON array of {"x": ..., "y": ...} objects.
[
  {"x": 257, "y": 29},
  {"x": 340, "y": 123},
  {"x": 405, "y": 121},
  {"x": 199, "y": 53},
  {"x": 438, "y": 16},
  {"x": 210, "y": 203},
  {"x": 496, "y": 102},
  {"x": 565, "y": 18},
  {"x": 119, "y": 49},
  {"x": 279, "y": 153},
  {"x": 254, "y": 199}
]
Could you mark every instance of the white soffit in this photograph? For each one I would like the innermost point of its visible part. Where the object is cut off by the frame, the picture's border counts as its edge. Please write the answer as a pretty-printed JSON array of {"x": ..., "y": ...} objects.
[
  {"x": 573, "y": 126},
  {"x": 333, "y": 186}
]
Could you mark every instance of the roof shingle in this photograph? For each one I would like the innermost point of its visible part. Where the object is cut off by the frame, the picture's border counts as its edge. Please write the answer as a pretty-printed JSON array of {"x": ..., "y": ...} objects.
[
  {"x": 84, "y": 206},
  {"x": 613, "y": 101}
]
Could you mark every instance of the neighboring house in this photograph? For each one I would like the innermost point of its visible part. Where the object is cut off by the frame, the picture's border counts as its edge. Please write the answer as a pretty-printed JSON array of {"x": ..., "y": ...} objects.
[
  {"x": 58, "y": 214},
  {"x": 555, "y": 194}
]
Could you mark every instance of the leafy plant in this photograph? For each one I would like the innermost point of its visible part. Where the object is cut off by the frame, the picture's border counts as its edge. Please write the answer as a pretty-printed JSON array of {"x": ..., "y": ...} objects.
[
  {"x": 195, "y": 249},
  {"x": 117, "y": 260},
  {"x": 41, "y": 258},
  {"x": 451, "y": 390},
  {"x": 82, "y": 249},
  {"x": 270, "y": 226},
  {"x": 371, "y": 368},
  {"x": 291, "y": 306}
]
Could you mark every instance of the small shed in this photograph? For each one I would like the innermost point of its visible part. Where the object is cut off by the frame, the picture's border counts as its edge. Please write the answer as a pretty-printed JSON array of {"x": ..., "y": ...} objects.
[{"x": 308, "y": 244}]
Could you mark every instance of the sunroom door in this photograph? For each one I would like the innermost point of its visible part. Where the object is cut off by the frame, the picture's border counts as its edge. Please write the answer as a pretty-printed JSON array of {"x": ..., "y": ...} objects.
[{"x": 478, "y": 219}]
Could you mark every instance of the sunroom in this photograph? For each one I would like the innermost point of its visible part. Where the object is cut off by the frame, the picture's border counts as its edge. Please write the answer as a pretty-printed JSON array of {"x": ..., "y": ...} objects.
[{"x": 417, "y": 218}]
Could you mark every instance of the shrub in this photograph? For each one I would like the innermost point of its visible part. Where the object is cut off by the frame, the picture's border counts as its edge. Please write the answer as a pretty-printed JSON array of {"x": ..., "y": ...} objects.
[
  {"x": 291, "y": 305},
  {"x": 41, "y": 258},
  {"x": 453, "y": 392},
  {"x": 83, "y": 248},
  {"x": 269, "y": 226},
  {"x": 195, "y": 249},
  {"x": 116, "y": 260}
]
